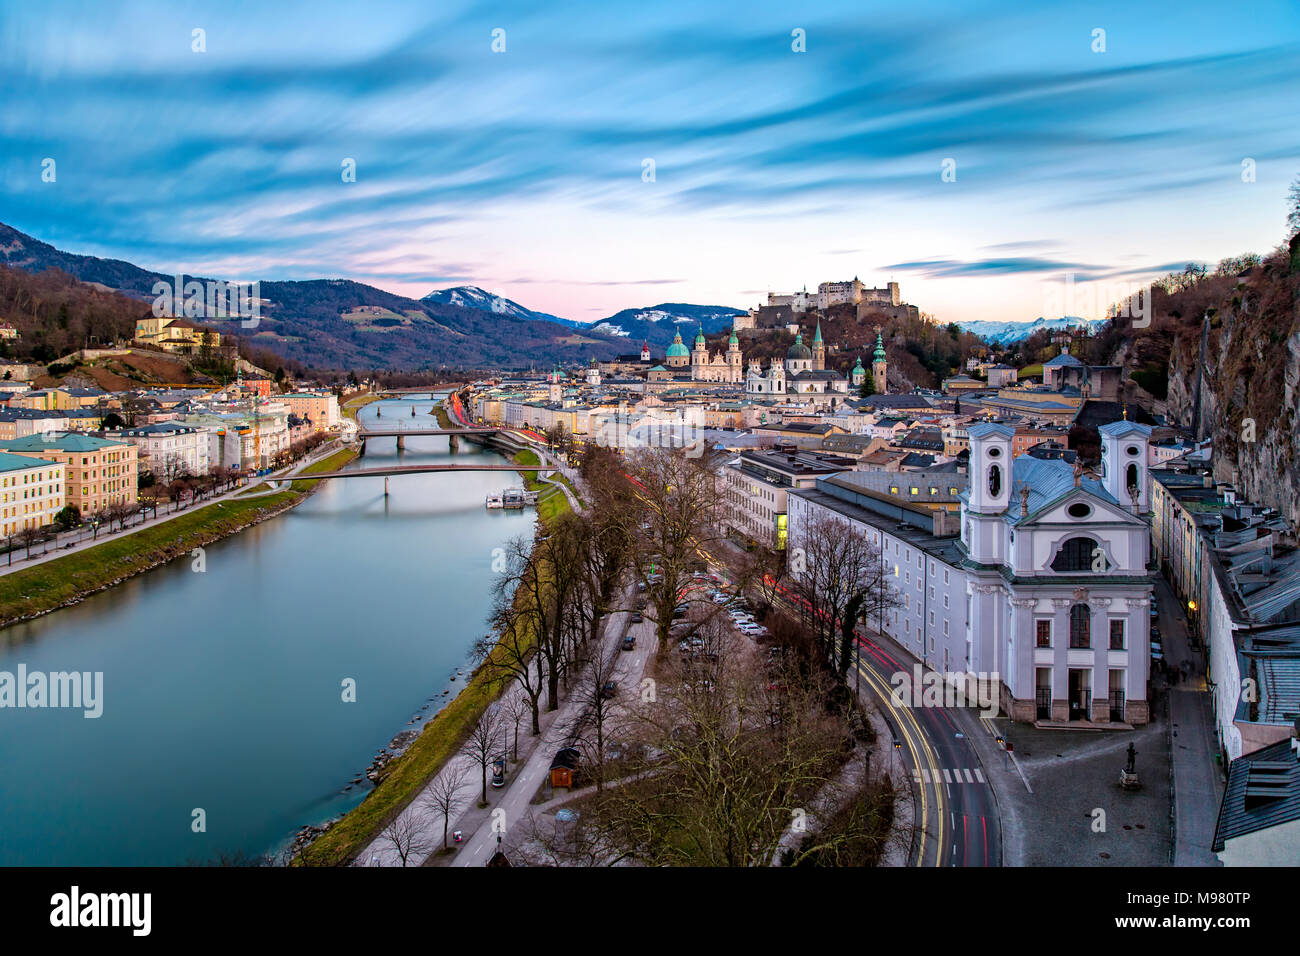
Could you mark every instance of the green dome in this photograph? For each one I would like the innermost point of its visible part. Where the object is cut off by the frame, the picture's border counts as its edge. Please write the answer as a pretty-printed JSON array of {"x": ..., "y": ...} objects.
[
  {"x": 677, "y": 349},
  {"x": 733, "y": 340},
  {"x": 817, "y": 339},
  {"x": 699, "y": 338},
  {"x": 879, "y": 353},
  {"x": 798, "y": 350},
  {"x": 859, "y": 363}
]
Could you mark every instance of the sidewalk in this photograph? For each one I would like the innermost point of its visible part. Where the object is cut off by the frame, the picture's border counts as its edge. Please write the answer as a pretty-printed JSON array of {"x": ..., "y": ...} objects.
[
  {"x": 1197, "y": 779},
  {"x": 88, "y": 540}
]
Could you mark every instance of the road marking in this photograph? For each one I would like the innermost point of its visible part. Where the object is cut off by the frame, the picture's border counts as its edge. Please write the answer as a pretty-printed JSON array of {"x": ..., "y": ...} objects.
[
  {"x": 979, "y": 776},
  {"x": 947, "y": 778},
  {"x": 968, "y": 776}
]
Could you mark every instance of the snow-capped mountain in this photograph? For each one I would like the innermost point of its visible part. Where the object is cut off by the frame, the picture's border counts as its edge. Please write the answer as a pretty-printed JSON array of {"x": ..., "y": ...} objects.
[
  {"x": 657, "y": 324},
  {"x": 1004, "y": 333},
  {"x": 472, "y": 297}
]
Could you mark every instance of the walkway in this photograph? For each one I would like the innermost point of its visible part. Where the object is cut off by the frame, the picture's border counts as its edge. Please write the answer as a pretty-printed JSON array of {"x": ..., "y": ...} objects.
[
  {"x": 89, "y": 540},
  {"x": 1198, "y": 779}
]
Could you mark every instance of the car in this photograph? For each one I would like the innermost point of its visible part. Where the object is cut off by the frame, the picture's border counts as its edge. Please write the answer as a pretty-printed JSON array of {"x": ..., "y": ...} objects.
[
  {"x": 629, "y": 642},
  {"x": 1157, "y": 650},
  {"x": 609, "y": 689},
  {"x": 499, "y": 772},
  {"x": 637, "y": 617}
]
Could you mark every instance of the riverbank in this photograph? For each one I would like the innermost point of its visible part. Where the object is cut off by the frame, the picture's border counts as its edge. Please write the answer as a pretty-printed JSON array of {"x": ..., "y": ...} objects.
[
  {"x": 406, "y": 776},
  {"x": 68, "y": 580}
]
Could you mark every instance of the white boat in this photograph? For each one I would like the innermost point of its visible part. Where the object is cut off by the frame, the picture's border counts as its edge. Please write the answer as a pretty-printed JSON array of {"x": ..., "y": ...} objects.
[{"x": 495, "y": 501}]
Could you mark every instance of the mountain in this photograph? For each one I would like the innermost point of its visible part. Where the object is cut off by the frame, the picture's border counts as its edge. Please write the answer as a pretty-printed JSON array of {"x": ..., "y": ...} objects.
[
  {"x": 338, "y": 323},
  {"x": 657, "y": 324},
  {"x": 1251, "y": 372},
  {"x": 1004, "y": 333},
  {"x": 472, "y": 297}
]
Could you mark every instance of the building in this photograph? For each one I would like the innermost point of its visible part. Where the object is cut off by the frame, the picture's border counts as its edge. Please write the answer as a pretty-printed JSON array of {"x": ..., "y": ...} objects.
[
  {"x": 1041, "y": 585},
  {"x": 717, "y": 368},
  {"x": 320, "y": 408},
  {"x": 31, "y": 492},
  {"x": 174, "y": 334},
  {"x": 1259, "y": 819},
  {"x": 97, "y": 473},
  {"x": 167, "y": 450},
  {"x": 1236, "y": 571},
  {"x": 754, "y": 487},
  {"x": 803, "y": 374}
]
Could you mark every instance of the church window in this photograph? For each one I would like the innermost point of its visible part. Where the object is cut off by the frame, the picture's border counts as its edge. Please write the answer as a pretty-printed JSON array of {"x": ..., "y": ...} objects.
[
  {"x": 1075, "y": 555},
  {"x": 995, "y": 480},
  {"x": 1080, "y": 626}
]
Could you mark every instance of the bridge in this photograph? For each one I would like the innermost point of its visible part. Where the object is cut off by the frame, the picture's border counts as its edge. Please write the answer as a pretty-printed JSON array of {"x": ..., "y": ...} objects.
[
  {"x": 401, "y": 434},
  {"x": 389, "y": 470}
]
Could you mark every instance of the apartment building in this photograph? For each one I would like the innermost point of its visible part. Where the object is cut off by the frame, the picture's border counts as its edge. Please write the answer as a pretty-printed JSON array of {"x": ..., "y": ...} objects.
[
  {"x": 167, "y": 449},
  {"x": 97, "y": 472},
  {"x": 320, "y": 408},
  {"x": 31, "y": 492},
  {"x": 754, "y": 486}
]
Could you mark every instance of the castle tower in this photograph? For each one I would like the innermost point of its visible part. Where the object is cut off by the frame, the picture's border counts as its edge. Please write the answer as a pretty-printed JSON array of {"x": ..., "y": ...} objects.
[
  {"x": 819, "y": 349},
  {"x": 879, "y": 367}
]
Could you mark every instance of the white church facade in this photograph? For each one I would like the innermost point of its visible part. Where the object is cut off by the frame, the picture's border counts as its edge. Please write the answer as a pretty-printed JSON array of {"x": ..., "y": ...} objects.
[{"x": 1045, "y": 588}]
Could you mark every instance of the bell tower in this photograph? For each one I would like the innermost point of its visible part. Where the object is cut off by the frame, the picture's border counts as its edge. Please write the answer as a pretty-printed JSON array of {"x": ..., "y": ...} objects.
[{"x": 1124, "y": 463}]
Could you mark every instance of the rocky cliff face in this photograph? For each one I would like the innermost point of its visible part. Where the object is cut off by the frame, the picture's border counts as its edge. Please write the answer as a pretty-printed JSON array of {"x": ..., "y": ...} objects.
[{"x": 1252, "y": 373}]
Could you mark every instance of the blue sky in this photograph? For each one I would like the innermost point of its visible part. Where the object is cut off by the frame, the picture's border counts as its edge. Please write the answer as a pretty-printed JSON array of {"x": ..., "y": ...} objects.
[{"x": 522, "y": 171}]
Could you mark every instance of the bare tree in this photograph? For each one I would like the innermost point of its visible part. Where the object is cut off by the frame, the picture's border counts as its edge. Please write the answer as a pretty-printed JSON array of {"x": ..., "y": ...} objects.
[
  {"x": 485, "y": 744},
  {"x": 595, "y": 695},
  {"x": 407, "y": 834},
  {"x": 682, "y": 511},
  {"x": 730, "y": 755},
  {"x": 444, "y": 793},
  {"x": 514, "y": 708},
  {"x": 841, "y": 577}
]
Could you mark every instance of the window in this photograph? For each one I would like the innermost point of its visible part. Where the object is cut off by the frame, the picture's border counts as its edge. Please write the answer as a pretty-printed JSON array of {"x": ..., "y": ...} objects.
[
  {"x": 995, "y": 480},
  {"x": 1080, "y": 626},
  {"x": 1044, "y": 629},
  {"x": 1117, "y": 635},
  {"x": 1075, "y": 555}
]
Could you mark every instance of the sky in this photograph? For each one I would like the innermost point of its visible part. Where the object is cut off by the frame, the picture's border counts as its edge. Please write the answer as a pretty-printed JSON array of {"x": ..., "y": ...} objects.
[{"x": 1110, "y": 157}]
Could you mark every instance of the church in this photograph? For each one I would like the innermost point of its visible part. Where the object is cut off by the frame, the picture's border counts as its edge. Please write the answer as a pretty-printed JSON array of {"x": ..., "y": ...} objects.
[
  {"x": 803, "y": 374},
  {"x": 1041, "y": 595}
]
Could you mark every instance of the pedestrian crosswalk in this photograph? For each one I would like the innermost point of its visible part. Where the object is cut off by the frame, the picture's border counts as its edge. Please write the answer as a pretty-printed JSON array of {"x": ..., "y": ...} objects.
[{"x": 937, "y": 776}]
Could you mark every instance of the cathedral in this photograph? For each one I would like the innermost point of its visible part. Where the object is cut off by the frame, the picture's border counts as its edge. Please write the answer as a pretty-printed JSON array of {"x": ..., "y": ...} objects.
[{"x": 722, "y": 367}]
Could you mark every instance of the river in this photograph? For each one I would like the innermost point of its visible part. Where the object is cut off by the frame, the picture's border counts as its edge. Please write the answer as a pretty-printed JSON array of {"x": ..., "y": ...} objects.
[{"x": 223, "y": 689}]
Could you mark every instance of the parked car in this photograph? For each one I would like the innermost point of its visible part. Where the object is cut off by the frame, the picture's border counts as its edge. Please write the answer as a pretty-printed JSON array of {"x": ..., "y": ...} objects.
[
  {"x": 637, "y": 617},
  {"x": 499, "y": 772},
  {"x": 629, "y": 642},
  {"x": 610, "y": 689}
]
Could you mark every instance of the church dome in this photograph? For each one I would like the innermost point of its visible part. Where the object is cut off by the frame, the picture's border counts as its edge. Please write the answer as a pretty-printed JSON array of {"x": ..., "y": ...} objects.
[
  {"x": 798, "y": 350},
  {"x": 699, "y": 338},
  {"x": 677, "y": 349}
]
